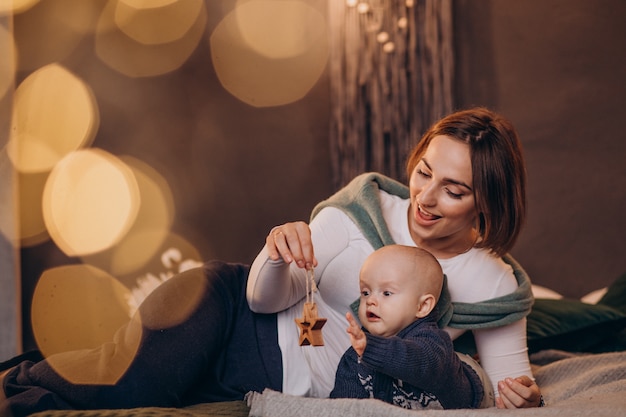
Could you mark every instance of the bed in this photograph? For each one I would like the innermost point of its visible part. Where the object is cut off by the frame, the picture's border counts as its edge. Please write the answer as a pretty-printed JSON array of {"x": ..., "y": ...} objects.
[
  {"x": 577, "y": 350},
  {"x": 573, "y": 384}
]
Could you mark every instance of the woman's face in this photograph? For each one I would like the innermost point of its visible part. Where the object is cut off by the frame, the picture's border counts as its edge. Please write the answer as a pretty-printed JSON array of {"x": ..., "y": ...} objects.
[{"x": 442, "y": 213}]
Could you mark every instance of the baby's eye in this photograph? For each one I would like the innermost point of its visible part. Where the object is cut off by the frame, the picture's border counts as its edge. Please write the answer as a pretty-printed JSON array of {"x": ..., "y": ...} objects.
[
  {"x": 365, "y": 293},
  {"x": 387, "y": 293}
]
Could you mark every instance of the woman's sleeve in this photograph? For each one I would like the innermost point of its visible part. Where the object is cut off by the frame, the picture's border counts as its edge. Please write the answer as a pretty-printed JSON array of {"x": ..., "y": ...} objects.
[
  {"x": 503, "y": 352},
  {"x": 274, "y": 286}
]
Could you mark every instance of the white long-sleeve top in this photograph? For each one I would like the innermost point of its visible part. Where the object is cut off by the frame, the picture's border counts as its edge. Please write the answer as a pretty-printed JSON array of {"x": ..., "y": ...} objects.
[{"x": 341, "y": 249}]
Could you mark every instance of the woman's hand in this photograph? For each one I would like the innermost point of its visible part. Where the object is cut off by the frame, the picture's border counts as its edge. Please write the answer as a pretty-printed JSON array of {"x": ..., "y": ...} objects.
[
  {"x": 291, "y": 242},
  {"x": 520, "y": 392},
  {"x": 357, "y": 336}
]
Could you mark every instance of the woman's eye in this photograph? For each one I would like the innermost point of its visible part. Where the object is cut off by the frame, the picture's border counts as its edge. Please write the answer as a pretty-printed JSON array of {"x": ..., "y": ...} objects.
[
  {"x": 422, "y": 173},
  {"x": 454, "y": 195}
]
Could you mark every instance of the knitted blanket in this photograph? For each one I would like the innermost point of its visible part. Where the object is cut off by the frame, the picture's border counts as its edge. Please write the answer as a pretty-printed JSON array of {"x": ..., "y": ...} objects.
[{"x": 572, "y": 384}]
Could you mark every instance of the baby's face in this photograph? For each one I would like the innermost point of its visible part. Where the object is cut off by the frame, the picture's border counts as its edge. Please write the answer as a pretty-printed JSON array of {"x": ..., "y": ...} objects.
[{"x": 390, "y": 298}]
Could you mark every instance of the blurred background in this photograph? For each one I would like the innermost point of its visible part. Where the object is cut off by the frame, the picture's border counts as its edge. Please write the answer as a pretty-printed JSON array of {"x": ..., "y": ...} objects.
[{"x": 139, "y": 138}]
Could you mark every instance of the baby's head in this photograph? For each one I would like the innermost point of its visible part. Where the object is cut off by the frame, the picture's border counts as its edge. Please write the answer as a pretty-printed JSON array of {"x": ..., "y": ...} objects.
[{"x": 399, "y": 284}]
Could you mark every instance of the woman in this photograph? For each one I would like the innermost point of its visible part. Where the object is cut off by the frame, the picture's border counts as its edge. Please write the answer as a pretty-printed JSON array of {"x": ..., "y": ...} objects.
[
  {"x": 465, "y": 205},
  {"x": 217, "y": 332}
]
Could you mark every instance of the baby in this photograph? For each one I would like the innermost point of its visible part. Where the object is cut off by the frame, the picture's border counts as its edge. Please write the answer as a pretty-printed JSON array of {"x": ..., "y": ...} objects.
[{"x": 401, "y": 356}]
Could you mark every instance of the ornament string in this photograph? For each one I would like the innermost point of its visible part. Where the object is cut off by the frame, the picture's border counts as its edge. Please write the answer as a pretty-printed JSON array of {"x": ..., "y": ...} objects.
[
  {"x": 310, "y": 285},
  {"x": 310, "y": 324}
]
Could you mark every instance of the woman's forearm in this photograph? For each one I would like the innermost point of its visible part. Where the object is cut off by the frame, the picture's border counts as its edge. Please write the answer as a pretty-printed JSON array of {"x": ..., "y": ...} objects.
[
  {"x": 270, "y": 288},
  {"x": 503, "y": 352}
]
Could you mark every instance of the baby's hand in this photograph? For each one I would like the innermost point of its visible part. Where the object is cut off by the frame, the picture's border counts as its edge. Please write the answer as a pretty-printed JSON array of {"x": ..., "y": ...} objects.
[{"x": 357, "y": 336}]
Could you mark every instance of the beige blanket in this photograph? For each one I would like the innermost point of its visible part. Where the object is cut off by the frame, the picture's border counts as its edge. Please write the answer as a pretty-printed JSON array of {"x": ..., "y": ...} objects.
[{"x": 572, "y": 385}]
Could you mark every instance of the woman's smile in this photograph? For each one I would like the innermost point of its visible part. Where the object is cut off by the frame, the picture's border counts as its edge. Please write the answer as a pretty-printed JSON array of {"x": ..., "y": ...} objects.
[{"x": 426, "y": 217}]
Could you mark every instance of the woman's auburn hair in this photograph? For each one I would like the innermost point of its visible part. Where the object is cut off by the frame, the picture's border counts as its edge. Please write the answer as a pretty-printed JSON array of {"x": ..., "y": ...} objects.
[{"x": 498, "y": 172}]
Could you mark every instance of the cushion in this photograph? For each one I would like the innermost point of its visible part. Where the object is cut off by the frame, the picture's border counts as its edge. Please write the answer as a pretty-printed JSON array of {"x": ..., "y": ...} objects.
[
  {"x": 571, "y": 325},
  {"x": 615, "y": 295}
]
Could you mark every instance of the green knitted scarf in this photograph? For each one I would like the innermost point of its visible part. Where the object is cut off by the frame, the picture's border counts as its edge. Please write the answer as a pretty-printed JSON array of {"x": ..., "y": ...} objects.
[{"x": 360, "y": 200}]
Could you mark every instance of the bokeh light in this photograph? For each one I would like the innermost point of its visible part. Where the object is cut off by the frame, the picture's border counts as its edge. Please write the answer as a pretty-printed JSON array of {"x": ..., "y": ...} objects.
[
  {"x": 270, "y": 52},
  {"x": 153, "y": 22},
  {"x": 175, "y": 255},
  {"x": 16, "y": 6},
  {"x": 7, "y": 63},
  {"x": 179, "y": 297},
  {"x": 78, "y": 307},
  {"x": 136, "y": 59},
  {"x": 90, "y": 201},
  {"x": 8, "y": 201},
  {"x": 279, "y": 29},
  {"x": 150, "y": 229},
  {"x": 54, "y": 113}
]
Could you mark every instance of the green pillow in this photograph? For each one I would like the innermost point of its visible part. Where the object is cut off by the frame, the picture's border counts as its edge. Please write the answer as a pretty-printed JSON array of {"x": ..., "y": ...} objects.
[
  {"x": 568, "y": 325},
  {"x": 615, "y": 295},
  {"x": 571, "y": 325}
]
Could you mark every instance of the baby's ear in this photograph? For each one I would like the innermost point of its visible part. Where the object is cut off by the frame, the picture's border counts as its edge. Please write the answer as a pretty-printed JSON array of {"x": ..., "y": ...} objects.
[{"x": 426, "y": 304}]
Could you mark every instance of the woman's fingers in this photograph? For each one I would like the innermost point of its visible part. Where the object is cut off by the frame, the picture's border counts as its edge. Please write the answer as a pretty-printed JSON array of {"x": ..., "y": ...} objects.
[
  {"x": 294, "y": 237},
  {"x": 304, "y": 255},
  {"x": 291, "y": 242},
  {"x": 277, "y": 247},
  {"x": 270, "y": 244},
  {"x": 520, "y": 392}
]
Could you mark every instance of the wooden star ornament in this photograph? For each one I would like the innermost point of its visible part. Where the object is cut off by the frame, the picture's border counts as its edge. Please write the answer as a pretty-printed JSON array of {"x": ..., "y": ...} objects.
[{"x": 310, "y": 324}]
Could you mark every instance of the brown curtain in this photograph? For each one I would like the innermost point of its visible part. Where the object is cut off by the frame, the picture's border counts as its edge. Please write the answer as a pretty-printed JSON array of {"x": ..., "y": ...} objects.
[{"x": 391, "y": 76}]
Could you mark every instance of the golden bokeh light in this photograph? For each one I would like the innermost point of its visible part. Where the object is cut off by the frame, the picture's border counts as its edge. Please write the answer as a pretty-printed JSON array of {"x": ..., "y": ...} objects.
[
  {"x": 279, "y": 29},
  {"x": 15, "y": 6},
  {"x": 135, "y": 59},
  {"x": 153, "y": 22},
  {"x": 54, "y": 113},
  {"x": 270, "y": 52},
  {"x": 90, "y": 201},
  {"x": 7, "y": 63},
  {"x": 179, "y": 296},
  {"x": 8, "y": 200},
  {"x": 77, "y": 307},
  {"x": 150, "y": 228},
  {"x": 176, "y": 255}
]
